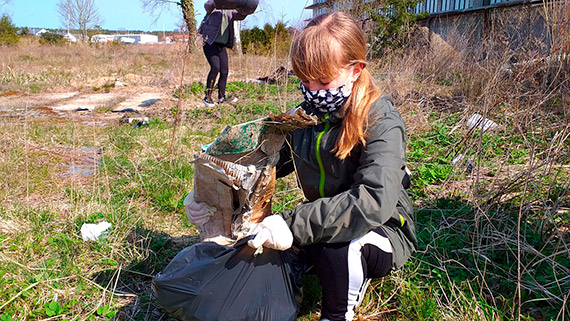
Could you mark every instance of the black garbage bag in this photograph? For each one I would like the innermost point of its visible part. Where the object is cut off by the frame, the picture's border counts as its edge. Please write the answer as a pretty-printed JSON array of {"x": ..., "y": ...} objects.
[{"x": 211, "y": 282}]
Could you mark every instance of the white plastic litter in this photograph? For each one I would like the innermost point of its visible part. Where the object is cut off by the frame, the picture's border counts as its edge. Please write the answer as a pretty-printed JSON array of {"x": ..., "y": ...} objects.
[
  {"x": 481, "y": 122},
  {"x": 457, "y": 159},
  {"x": 92, "y": 232}
]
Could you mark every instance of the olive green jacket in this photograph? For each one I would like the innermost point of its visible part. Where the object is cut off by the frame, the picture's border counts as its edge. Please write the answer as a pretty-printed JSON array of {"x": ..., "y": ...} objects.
[{"x": 348, "y": 198}]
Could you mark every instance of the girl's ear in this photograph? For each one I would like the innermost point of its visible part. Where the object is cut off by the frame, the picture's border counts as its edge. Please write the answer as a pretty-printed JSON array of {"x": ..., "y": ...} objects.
[{"x": 356, "y": 70}]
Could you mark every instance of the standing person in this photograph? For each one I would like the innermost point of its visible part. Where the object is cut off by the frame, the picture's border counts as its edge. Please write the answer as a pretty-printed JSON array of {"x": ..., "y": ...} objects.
[
  {"x": 358, "y": 221},
  {"x": 217, "y": 30}
]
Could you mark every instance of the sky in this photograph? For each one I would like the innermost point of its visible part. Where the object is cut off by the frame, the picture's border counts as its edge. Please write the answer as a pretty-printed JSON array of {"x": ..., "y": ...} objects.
[{"x": 130, "y": 15}]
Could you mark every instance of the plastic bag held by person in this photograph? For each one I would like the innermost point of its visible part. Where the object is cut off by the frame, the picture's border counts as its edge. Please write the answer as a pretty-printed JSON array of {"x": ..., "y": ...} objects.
[{"x": 221, "y": 278}]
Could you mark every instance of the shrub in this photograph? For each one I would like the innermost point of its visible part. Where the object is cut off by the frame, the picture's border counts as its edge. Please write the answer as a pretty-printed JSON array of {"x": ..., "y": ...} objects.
[
  {"x": 269, "y": 40},
  {"x": 8, "y": 32},
  {"x": 395, "y": 21},
  {"x": 52, "y": 38}
]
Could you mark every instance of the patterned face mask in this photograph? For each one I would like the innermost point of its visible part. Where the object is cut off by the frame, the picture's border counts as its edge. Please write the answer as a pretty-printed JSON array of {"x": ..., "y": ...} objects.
[{"x": 327, "y": 100}]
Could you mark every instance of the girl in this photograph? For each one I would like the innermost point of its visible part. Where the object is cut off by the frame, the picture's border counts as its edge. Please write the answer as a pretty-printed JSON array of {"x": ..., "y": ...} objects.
[{"x": 358, "y": 222}]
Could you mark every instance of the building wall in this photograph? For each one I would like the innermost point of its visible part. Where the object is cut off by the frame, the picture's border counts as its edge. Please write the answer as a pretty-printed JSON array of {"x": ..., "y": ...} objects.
[
  {"x": 138, "y": 38},
  {"x": 495, "y": 30},
  {"x": 484, "y": 27},
  {"x": 143, "y": 39}
]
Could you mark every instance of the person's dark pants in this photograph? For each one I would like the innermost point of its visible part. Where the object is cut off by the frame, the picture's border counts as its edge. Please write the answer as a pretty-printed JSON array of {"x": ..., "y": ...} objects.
[
  {"x": 218, "y": 59},
  {"x": 344, "y": 269}
]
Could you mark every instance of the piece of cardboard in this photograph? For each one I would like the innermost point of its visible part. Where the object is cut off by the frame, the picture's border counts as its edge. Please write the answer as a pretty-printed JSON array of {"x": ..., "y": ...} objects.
[{"x": 236, "y": 174}]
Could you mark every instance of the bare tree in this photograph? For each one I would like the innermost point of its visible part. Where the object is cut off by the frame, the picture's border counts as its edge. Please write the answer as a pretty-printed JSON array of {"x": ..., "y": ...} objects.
[
  {"x": 79, "y": 14},
  {"x": 187, "y": 7}
]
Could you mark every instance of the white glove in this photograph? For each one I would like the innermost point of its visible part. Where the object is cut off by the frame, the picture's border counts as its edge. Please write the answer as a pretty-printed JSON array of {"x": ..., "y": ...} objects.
[
  {"x": 272, "y": 233},
  {"x": 197, "y": 213}
]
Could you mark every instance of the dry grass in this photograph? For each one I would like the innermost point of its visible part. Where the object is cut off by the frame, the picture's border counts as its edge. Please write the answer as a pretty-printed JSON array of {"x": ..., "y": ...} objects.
[
  {"x": 512, "y": 204},
  {"x": 80, "y": 66},
  {"x": 517, "y": 191},
  {"x": 42, "y": 207}
]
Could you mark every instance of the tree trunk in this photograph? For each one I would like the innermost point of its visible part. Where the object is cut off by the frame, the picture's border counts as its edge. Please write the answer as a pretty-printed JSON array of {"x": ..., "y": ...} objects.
[
  {"x": 237, "y": 28},
  {"x": 188, "y": 14}
]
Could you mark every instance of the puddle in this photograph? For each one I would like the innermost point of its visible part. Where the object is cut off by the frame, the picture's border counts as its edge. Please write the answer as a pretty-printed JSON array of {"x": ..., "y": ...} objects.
[
  {"x": 83, "y": 170},
  {"x": 14, "y": 104},
  {"x": 87, "y": 163}
]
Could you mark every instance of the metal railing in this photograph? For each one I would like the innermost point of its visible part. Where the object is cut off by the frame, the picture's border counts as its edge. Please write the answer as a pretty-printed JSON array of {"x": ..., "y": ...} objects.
[
  {"x": 426, "y": 6},
  {"x": 442, "y": 6}
]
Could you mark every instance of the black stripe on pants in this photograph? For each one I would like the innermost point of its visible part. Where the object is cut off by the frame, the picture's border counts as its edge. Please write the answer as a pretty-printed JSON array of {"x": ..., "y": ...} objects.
[
  {"x": 217, "y": 57},
  {"x": 344, "y": 268}
]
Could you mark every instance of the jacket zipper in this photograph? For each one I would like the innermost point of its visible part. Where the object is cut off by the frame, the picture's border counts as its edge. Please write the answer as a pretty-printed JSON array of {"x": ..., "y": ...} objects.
[{"x": 319, "y": 159}]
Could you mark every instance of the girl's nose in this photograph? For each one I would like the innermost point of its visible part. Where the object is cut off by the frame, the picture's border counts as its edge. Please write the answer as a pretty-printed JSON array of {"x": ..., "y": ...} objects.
[{"x": 315, "y": 85}]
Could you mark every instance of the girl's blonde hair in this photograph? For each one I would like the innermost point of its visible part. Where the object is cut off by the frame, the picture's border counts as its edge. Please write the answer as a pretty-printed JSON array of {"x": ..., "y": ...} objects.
[{"x": 328, "y": 44}]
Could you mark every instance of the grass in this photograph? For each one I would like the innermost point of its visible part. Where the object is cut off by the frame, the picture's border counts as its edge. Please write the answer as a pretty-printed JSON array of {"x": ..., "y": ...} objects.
[{"x": 493, "y": 237}]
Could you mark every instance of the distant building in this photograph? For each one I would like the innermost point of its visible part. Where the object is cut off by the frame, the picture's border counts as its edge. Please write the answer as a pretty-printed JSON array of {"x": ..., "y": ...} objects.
[
  {"x": 176, "y": 38},
  {"x": 40, "y": 32},
  {"x": 102, "y": 38},
  {"x": 67, "y": 35},
  {"x": 141, "y": 38},
  {"x": 492, "y": 25},
  {"x": 430, "y": 7},
  {"x": 135, "y": 39},
  {"x": 70, "y": 37},
  {"x": 319, "y": 7}
]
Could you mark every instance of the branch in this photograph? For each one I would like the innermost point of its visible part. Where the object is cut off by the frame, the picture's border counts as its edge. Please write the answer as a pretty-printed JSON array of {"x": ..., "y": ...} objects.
[{"x": 154, "y": 4}]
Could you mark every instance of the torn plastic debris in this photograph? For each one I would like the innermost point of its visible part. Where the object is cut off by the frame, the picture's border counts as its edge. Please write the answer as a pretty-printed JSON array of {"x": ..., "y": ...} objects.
[
  {"x": 470, "y": 165},
  {"x": 126, "y": 110},
  {"x": 481, "y": 123},
  {"x": 92, "y": 232},
  {"x": 140, "y": 123},
  {"x": 236, "y": 174},
  {"x": 130, "y": 120},
  {"x": 470, "y": 162},
  {"x": 457, "y": 159}
]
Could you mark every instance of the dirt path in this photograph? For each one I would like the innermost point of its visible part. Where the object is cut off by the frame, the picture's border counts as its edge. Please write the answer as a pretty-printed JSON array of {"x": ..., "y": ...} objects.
[
  {"x": 18, "y": 104},
  {"x": 97, "y": 107}
]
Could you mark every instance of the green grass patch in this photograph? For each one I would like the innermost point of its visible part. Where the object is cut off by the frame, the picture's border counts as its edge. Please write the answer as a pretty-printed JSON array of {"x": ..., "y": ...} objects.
[{"x": 472, "y": 241}]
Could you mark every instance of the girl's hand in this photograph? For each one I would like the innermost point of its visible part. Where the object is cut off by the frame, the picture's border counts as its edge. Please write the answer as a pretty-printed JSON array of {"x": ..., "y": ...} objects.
[{"x": 272, "y": 233}]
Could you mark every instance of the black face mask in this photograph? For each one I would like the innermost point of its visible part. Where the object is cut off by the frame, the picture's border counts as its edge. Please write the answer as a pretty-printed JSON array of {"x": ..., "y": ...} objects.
[{"x": 327, "y": 100}]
